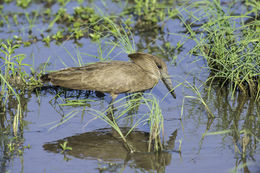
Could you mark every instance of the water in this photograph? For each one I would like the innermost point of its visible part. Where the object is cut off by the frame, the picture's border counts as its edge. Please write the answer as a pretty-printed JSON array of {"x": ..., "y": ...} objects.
[{"x": 97, "y": 148}]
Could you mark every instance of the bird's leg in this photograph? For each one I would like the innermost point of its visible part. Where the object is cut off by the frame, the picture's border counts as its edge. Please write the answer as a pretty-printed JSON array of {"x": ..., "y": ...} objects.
[
  {"x": 114, "y": 96},
  {"x": 111, "y": 106}
]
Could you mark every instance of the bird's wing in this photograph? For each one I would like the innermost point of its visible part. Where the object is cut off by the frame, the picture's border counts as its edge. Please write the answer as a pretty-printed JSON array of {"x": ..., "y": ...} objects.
[
  {"x": 112, "y": 77},
  {"x": 121, "y": 78}
]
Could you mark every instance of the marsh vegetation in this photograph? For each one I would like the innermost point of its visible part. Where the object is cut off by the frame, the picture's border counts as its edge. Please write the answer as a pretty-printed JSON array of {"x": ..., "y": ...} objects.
[{"x": 212, "y": 51}]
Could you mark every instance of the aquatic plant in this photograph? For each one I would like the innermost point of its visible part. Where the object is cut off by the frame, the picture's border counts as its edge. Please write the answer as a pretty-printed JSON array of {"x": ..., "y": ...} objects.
[
  {"x": 126, "y": 109},
  {"x": 198, "y": 96},
  {"x": 230, "y": 46},
  {"x": 153, "y": 117},
  {"x": 14, "y": 80},
  {"x": 9, "y": 73},
  {"x": 149, "y": 13},
  {"x": 65, "y": 147}
]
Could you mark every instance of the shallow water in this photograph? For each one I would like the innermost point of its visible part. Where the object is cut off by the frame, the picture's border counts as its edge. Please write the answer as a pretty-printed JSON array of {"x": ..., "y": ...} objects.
[{"x": 97, "y": 148}]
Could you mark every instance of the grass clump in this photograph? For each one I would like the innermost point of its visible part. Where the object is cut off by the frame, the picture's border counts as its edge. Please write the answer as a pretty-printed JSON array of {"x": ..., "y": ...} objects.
[
  {"x": 14, "y": 82},
  {"x": 153, "y": 117},
  {"x": 127, "y": 112},
  {"x": 8, "y": 70},
  {"x": 149, "y": 13},
  {"x": 124, "y": 38},
  {"x": 229, "y": 44},
  {"x": 13, "y": 68}
]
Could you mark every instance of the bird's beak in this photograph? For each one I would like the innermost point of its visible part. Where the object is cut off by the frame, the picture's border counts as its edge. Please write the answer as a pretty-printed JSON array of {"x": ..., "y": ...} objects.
[{"x": 168, "y": 83}]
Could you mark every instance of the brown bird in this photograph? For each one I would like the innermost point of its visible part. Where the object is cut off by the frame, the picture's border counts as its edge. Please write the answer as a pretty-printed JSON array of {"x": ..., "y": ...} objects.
[{"x": 114, "y": 77}]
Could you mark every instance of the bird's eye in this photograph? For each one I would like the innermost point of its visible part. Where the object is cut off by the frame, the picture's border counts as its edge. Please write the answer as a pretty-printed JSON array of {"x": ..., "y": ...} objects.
[{"x": 159, "y": 66}]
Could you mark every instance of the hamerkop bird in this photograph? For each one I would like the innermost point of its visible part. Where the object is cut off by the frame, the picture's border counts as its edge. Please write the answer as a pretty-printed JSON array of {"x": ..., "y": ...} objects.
[{"x": 114, "y": 77}]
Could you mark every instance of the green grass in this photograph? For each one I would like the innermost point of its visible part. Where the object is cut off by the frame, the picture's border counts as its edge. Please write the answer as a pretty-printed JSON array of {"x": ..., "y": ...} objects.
[
  {"x": 229, "y": 44},
  {"x": 124, "y": 37},
  {"x": 198, "y": 96},
  {"x": 65, "y": 147},
  {"x": 14, "y": 81},
  {"x": 9, "y": 70},
  {"x": 153, "y": 117},
  {"x": 126, "y": 110},
  {"x": 6, "y": 91}
]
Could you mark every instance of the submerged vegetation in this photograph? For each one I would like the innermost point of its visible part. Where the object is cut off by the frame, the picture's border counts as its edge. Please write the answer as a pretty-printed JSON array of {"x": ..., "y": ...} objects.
[{"x": 224, "y": 38}]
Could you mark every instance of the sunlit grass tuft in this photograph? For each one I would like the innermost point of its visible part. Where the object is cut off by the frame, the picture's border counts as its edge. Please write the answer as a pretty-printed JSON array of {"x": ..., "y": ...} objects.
[
  {"x": 126, "y": 109},
  {"x": 8, "y": 90},
  {"x": 198, "y": 96},
  {"x": 153, "y": 117},
  {"x": 229, "y": 44},
  {"x": 14, "y": 80},
  {"x": 124, "y": 37}
]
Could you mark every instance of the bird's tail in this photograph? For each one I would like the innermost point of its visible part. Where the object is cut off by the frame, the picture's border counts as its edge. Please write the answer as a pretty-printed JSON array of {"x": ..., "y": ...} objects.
[{"x": 45, "y": 78}]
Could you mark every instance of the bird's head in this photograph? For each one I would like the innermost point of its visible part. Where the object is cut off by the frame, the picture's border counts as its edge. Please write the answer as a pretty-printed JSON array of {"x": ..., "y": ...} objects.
[{"x": 154, "y": 66}]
